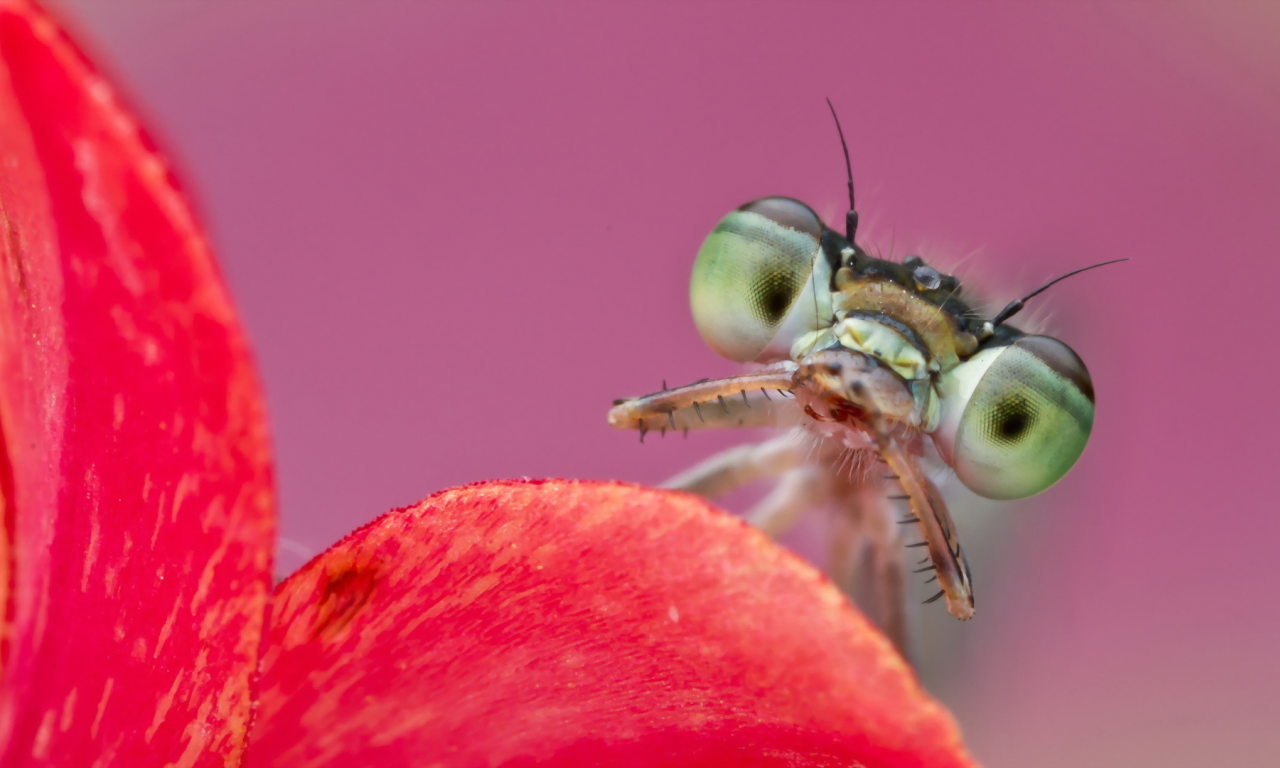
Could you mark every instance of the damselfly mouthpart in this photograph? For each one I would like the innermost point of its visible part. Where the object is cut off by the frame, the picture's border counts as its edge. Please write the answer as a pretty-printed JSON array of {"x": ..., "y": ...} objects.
[{"x": 865, "y": 359}]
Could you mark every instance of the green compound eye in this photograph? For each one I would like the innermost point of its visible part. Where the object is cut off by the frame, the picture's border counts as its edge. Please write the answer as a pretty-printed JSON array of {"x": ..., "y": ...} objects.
[
  {"x": 1026, "y": 413},
  {"x": 750, "y": 274}
]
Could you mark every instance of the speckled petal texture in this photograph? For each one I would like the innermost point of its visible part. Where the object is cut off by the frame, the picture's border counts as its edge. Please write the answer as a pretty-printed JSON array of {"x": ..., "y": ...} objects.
[
  {"x": 579, "y": 624},
  {"x": 135, "y": 474}
]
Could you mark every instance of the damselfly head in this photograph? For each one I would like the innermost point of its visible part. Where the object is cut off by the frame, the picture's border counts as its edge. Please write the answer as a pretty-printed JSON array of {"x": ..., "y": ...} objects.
[{"x": 1011, "y": 413}]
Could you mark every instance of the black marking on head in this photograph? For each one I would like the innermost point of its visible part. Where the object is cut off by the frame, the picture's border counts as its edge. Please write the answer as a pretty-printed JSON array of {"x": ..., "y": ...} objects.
[
  {"x": 832, "y": 244},
  {"x": 945, "y": 293}
]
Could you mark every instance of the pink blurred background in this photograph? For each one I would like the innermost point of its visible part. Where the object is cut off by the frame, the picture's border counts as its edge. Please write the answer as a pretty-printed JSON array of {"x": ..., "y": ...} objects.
[{"x": 457, "y": 231}]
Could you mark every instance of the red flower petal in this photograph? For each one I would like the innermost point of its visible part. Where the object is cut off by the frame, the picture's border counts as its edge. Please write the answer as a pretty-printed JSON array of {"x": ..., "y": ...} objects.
[
  {"x": 579, "y": 624},
  {"x": 135, "y": 476}
]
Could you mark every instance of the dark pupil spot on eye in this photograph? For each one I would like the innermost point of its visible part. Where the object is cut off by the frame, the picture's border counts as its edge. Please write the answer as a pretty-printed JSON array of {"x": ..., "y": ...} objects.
[
  {"x": 775, "y": 303},
  {"x": 1013, "y": 420},
  {"x": 1013, "y": 425},
  {"x": 774, "y": 295}
]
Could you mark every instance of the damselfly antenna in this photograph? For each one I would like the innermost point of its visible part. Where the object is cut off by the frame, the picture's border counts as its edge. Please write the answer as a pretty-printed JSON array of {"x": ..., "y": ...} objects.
[
  {"x": 1016, "y": 306},
  {"x": 850, "y": 218}
]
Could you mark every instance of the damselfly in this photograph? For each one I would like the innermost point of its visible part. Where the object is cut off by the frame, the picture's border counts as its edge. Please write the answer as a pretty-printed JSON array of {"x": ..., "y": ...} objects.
[{"x": 867, "y": 361}]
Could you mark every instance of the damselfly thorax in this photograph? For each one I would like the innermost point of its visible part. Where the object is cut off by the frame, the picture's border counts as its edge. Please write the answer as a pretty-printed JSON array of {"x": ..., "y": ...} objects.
[{"x": 867, "y": 361}]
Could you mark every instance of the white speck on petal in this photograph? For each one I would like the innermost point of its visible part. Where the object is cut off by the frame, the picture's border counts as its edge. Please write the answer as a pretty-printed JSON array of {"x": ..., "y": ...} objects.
[
  {"x": 44, "y": 735},
  {"x": 93, "y": 490},
  {"x": 102, "y": 706},
  {"x": 68, "y": 710}
]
